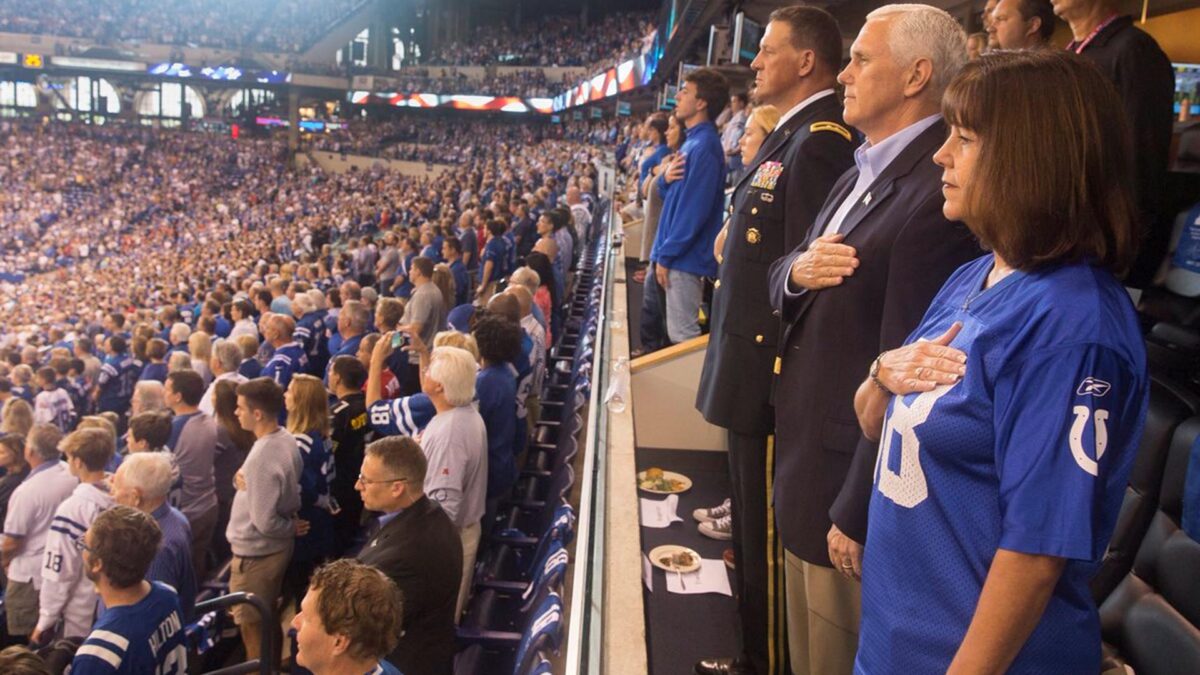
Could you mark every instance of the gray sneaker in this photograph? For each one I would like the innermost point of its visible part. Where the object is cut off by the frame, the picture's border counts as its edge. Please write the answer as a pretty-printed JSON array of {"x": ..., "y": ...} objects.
[
  {"x": 713, "y": 513},
  {"x": 721, "y": 529}
]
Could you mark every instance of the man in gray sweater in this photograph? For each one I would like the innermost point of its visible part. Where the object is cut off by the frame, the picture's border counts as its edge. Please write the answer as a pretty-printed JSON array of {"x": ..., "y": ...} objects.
[{"x": 262, "y": 524}]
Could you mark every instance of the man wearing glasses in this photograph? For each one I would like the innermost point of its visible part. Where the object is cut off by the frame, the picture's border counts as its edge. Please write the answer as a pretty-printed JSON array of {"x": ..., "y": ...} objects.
[{"x": 417, "y": 547}]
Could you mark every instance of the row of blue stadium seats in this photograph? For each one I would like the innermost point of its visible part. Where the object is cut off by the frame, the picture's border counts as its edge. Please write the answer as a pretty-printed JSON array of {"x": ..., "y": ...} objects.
[
  {"x": 515, "y": 613},
  {"x": 1146, "y": 587}
]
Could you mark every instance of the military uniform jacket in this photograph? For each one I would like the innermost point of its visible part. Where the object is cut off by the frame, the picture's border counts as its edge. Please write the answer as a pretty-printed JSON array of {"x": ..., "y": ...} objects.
[{"x": 774, "y": 204}]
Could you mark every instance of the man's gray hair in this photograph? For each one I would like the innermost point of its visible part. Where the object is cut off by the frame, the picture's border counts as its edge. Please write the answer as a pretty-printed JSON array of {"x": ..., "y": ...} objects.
[
  {"x": 229, "y": 355},
  {"x": 356, "y": 313},
  {"x": 318, "y": 299},
  {"x": 369, "y": 295},
  {"x": 180, "y": 332},
  {"x": 527, "y": 277},
  {"x": 43, "y": 441},
  {"x": 151, "y": 396},
  {"x": 149, "y": 472},
  {"x": 922, "y": 31},
  {"x": 455, "y": 370},
  {"x": 301, "y": 304}
]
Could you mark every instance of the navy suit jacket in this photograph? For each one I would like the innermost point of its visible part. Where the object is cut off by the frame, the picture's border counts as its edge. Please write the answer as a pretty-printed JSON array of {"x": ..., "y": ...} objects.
[{"x": 906, "y": 250}]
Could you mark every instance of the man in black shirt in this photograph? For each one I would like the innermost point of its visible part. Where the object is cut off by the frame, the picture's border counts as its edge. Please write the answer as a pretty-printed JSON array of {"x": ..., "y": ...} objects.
[
  {"x": 1144, "y": 79},
  {"x": 349, "y": 435}
]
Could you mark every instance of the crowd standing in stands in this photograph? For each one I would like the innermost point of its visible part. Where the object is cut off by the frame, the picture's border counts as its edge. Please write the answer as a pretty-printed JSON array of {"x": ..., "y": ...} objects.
[
  {"x": 211, "y": 412},
  {"x": 551, "y": 41},
  {"x": 317, "y": 314},
  {"x": 288, "y": 26}
]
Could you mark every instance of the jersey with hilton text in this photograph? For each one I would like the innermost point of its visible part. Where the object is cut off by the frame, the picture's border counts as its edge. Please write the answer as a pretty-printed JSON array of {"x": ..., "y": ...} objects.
[{"x": 145, "y": 638}]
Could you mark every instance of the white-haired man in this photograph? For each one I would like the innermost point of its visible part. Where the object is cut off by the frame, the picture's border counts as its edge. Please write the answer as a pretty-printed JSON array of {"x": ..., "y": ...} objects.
[
  {"x": 310, "y": 329},
  {"x": 225, "y": 361},
  {"x": 880, "y": 245},
  {"x": 455, "y": 446},
  {"x": 143, "y": 481},
  {"x": 148, "y": 396},
  {"x": 178, "y": 337}
]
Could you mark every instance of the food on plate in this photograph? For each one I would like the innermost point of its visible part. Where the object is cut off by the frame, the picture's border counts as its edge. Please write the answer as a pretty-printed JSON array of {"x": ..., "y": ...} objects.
[
  {"x": 654, "y": 479},
  {"x": 678, "y": 560}
]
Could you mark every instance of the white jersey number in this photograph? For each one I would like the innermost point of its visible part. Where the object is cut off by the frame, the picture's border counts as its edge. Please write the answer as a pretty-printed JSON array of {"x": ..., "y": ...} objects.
[{"x": 906, "y": 488}]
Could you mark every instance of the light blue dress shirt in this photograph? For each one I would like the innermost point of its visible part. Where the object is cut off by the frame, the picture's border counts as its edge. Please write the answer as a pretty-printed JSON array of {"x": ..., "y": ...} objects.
[{"x": 871, "y": 161}]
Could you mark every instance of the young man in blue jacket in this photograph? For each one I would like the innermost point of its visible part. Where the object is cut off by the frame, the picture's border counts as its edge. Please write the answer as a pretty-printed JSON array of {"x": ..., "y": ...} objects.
[{"x": 693, "y": 194}]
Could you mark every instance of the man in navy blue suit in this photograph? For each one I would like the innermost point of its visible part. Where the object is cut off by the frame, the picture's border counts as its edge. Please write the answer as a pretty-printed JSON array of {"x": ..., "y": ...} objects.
[{"x": 876, "y": 255}]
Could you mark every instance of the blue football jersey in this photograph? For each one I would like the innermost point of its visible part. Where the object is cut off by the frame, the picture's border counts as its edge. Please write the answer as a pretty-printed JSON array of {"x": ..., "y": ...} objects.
[
  {"x": 145, "y": 638},
  {"x": 290, "y": 359},
  {"x": 1029, "y": 452},
  {"x": 118, "y": 376},
  {"x": 404, "y": 416}
]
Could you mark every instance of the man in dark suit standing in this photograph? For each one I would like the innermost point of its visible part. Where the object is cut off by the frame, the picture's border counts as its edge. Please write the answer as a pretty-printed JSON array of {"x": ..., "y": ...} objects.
[
  {"x": 417, "y": 547},
  {"x": 774, "y": 203},
  {"x": 875, "y": 256}
]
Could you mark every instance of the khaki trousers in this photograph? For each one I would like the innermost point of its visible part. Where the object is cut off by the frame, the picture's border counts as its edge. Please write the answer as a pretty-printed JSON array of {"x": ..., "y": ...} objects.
[
  {"x": 823, "y": 613},
  {"x": 470, "y": 542}
]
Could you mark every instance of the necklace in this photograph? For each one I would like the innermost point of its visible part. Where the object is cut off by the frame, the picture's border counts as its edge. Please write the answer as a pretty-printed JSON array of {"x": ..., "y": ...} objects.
[{"x": 988, "y": 283}]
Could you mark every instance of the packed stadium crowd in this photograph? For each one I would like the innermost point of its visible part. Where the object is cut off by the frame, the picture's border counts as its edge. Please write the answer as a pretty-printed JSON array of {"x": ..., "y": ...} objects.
[
  {"x": 277, "y": 25},
  {"x": 182, "y": 353},
  {"x": 527, "y": 82},
  {"x": 551, "y": 41},
  {"x": 138, "y": 213},
  {"x": 437, "y": 140},
  {"x": 933, "y": 402}
]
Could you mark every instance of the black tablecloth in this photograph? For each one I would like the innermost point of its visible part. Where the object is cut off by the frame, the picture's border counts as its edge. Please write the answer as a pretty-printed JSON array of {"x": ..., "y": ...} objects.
[{"x": 681, "y": 629}]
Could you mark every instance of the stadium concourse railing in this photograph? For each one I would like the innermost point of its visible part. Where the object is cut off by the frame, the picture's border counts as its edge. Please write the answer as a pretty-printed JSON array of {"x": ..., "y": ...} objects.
[{"x": 606, "y": 632}]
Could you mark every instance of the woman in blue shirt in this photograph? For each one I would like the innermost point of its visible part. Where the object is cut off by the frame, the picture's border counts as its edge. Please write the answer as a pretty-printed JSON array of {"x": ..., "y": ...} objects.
[
  {"x": 655, "y": 130},
  {"x": 1010, "y": 420},
  {"x": 308, "y": 420}
]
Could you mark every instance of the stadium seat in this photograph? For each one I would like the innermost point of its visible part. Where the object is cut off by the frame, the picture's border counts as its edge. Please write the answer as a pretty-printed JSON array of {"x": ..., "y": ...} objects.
[
  {"x": 1151, "y": 621},
  {"x": 1165, "y": 413},
  {"x": 504, "y": 606},
  {"x": 513, "y": 555},
  {"x": 1173, "y": 348},
  {"x": 519, "y": 653}
]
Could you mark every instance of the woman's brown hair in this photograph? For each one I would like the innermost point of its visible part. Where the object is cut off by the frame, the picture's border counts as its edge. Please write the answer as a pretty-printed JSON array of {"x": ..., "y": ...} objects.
[
  {"x": 225, "y": 407},
  {"x": 1052, "y": 181}
]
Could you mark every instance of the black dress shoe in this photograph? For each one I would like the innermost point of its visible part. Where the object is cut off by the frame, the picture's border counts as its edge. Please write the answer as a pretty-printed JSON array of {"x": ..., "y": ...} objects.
[{"x": 723, "y": 667}]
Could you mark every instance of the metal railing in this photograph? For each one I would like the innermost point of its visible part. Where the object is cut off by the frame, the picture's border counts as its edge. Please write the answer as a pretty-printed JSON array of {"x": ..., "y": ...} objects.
[
  {"x": 267, "y": 624},
  {"x": 585, "y": 629}
]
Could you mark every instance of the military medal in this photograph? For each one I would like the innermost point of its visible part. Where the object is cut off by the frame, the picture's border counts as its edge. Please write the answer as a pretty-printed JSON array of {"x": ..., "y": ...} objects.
[{"x": 767, "y": 175}]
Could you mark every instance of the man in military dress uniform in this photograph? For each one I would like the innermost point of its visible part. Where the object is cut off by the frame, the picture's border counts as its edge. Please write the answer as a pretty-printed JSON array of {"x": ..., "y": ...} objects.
[{"x": 774, "y": 204}]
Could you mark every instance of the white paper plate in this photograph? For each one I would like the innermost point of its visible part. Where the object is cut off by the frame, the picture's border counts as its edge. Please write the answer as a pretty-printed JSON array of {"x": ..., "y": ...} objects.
[
  {"x": 668, "y": 550},
  {"x": 685, "y": 483}
]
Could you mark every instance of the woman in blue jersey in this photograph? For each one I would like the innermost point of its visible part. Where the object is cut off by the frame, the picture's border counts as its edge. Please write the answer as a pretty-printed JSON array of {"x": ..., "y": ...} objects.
[
  {"x": 1009, "y": 421},
  {"x": 308, "y": 420}
]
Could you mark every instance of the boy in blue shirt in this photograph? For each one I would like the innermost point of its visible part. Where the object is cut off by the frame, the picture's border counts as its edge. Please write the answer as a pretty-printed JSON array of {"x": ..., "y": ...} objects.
[{"x": 691, "y": 210}]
